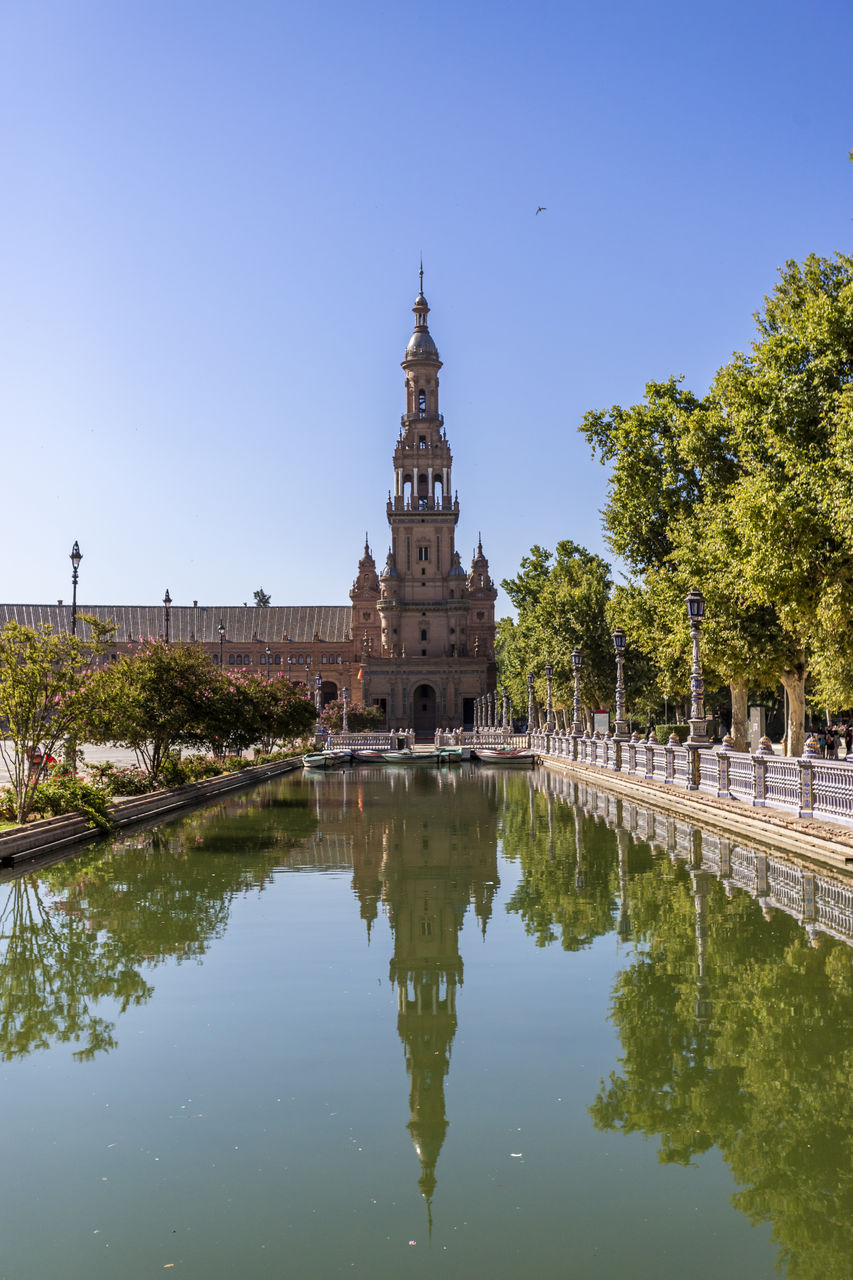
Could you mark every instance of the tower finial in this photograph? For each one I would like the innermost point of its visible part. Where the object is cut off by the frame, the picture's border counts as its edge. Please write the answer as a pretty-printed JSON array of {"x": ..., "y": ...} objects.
[{"x": 421, "y": 273}]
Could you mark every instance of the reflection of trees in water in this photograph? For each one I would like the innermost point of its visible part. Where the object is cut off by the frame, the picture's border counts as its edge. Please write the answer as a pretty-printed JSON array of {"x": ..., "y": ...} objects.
[
  {"x": 753, "y": 1055},
  {"x": 736, "y": 1031},
  {"x": 570, "y": 881},
  {"x": 80, "y": 932}
]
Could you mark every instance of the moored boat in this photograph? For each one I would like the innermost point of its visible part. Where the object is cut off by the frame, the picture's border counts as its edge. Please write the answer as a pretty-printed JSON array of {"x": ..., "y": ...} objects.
[
  {"x": 449, "y": 755},
  {"x": 410, "y": 757},
  {"x": 368, "y": 756},
  {"x": 326, "y": 759},
  {"x": 507, "y": 757}
]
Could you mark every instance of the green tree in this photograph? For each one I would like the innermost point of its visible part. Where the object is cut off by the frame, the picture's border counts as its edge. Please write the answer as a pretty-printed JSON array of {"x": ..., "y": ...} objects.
[
  {"x": 43, "y": 697},
  {"x": 359, "y": 718},
  {"x": 744, "y": 493},
  {"x": 262, "y": 599},
  {"x": 563, "y": 602},
  {"x": 154, "y": 699}
]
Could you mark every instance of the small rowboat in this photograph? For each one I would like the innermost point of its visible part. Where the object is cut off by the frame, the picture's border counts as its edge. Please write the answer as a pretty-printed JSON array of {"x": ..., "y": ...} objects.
[
  {"x": 410, "y": 757},
  {"x": 326, "y": 759},
  {"x": 367, "y": 756},
  {"x": 450, "y": 755},
  {"x": 506, "y": 757}
]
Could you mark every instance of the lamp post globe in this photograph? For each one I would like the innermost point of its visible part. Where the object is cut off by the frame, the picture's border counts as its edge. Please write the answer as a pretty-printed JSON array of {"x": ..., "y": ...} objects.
[
  {"x": 620, "y": 729},
  {"x": 75, "y": 557}
]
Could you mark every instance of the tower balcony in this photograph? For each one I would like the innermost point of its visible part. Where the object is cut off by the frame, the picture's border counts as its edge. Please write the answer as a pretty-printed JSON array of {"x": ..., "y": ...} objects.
[
  {"x": 408, "y": 419},
  {"x": 400, "y": 503}
]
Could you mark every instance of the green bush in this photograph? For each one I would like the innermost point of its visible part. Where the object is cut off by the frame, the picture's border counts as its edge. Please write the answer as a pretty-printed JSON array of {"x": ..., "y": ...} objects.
[
  {"x": 682, "y": 732},
  {"x": 8, "y": 804},
  {"x": 129, "y": 781},
  {"x": 73, "y": 795},
  {"x": 173, "y": 772},
  {"x": 200, "y": 767}
]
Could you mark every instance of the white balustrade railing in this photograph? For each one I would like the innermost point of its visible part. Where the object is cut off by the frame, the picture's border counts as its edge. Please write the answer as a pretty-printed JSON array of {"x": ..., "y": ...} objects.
[
  {"x": 365, "y": 741},
  {"x": 808, "y": 787},
  {"x": 782, "y": 784}
]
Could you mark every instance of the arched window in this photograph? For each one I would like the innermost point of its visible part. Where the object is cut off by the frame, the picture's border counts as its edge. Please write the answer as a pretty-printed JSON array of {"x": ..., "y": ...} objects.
[
  {"x": 239, "y": 659},
  {"x": 423, "y": 633},
  {"x": 422, "y": 403}
]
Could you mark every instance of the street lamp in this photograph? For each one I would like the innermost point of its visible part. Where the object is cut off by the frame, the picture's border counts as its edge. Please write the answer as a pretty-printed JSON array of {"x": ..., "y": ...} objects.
[
  {"x": 345, "y": 697},
  {"x": 577, "y": 663},
  {"x": 221, "y": 641},
  {"x": 268, "y": 653},
  {"x": 620, "y": 730},
  {"x": 530, "y": 702},
  {"x": 75, "y": 558},
  {"x": 503, "y": 707},
  {"x": 167, "y": 605},
  {"x": 698, "y": 725},
  {"x": 549, "y": 717}
]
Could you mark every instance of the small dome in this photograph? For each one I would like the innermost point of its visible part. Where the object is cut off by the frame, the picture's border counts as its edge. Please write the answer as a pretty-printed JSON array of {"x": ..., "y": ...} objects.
[{"x": 421, "y": 345}]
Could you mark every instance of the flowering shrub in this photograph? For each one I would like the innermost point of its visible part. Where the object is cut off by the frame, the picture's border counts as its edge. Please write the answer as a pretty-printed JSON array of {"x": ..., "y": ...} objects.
[
  {"x": 129, "y": 781},
  {"x": 72, "y": 795}
]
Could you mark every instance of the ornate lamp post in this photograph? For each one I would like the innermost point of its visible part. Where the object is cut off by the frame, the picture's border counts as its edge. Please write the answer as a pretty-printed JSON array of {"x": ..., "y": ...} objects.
[
  {"x": 530, "y": 725},
  {"x": 268, "y": 655},
  {"x": 577, "y": 663},
  {"x": 698, "y": 726},
  {"x": 167, "y": 605},
  {"x": 549, "y": 720},
  {"x": 620, "y": 731},
  {"x": 75, "y": 558},
  {"x": 503, "y": 707},
  {"x": 221, "y": 641},
  {"x": 318, "y": 690},
  {"x": 345, "y": 696}
]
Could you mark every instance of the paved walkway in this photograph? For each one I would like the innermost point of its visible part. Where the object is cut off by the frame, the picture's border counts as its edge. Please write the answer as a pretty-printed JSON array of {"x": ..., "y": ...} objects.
[{"x": 92, "y": 754}]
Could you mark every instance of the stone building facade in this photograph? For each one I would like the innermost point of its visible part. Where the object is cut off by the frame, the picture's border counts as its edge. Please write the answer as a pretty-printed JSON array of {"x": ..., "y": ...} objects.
[{"x": 417, "y": 638}]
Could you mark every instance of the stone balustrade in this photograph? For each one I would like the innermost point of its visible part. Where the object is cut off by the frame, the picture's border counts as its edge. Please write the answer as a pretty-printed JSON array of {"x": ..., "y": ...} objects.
[
  {"x": 807, "y": 786},
  {"x": 372, "y": 741}
]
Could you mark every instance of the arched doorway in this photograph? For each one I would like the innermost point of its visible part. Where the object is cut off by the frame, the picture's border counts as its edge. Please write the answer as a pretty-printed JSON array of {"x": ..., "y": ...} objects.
[
  {"x": 328, "y": 692},
  {"x": 423, "y": 710}
]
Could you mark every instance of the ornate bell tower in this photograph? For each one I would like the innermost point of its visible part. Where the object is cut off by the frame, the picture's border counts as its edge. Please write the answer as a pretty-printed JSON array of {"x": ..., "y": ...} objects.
[{"x": 430, "y": 663}]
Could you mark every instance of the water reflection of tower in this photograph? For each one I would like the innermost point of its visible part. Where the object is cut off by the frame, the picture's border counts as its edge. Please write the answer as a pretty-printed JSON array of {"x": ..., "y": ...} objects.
[
  {"x": 426, "y": 860},
  {"x": 434, "y": 870}
]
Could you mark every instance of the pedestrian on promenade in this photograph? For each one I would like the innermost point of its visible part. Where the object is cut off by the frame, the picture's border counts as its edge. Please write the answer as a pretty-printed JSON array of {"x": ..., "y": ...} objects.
[
  {"x": 831, "y": 748},
  {"x": 848, "y": 738}
]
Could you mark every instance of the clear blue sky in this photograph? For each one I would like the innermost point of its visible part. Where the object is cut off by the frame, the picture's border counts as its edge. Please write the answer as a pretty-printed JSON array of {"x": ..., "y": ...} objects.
[{"x": 209, "y": 236}]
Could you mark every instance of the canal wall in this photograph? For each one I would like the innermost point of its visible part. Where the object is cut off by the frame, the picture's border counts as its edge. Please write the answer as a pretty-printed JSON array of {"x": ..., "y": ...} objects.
[
  {"x": 810, "y": 838},
  {"x": 52, "y": 837}
]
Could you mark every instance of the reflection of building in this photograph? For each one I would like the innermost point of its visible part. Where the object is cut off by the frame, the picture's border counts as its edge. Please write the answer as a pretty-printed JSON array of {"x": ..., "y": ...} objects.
[
  {"x": 426, "y": 862},
  {"x": 417, "y": 639}
]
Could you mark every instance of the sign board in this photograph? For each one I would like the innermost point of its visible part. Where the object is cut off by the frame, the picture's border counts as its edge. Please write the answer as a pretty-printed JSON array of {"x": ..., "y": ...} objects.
[
  {"x": 601, "y": 721},
  {"x": 757, "y": 722}
]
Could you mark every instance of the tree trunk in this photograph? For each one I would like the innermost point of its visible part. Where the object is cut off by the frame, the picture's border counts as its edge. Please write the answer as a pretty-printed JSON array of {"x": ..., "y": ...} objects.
[
  {"x": 794, "y": 682},
  {"x": 740, "y": 711}
]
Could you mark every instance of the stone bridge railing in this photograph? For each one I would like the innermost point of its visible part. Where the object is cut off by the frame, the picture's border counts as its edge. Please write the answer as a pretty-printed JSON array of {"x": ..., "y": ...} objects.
[
  {"x": 806, "y": 786},
  {"x": 470, "y": 738},
  {"x": 372, "y": 741}
]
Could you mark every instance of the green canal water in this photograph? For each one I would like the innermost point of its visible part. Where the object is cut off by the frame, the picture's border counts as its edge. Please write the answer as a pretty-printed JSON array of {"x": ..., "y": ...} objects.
[{"x": 419, "y": 1023}]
